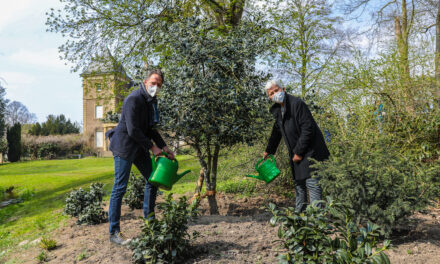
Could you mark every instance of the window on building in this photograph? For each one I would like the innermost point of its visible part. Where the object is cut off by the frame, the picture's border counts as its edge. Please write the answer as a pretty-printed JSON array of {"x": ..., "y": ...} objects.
[
  {"x": 98, "y": 111},
  {"x": 98, "y": 87},
  {"x": 99, "y": 139}
]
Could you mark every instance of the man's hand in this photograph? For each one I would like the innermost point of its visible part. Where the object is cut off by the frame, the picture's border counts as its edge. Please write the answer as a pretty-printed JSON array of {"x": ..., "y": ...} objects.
[
  {"x": 156, "y": 151},
  {"x": 170, "y": 153},
  {"x": 265, "y": 154},
  {"x": 297, "y": 158}
]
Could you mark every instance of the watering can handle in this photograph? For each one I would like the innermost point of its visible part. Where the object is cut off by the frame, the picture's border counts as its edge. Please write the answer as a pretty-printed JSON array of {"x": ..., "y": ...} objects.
[
  {"x": 155, "y": 158},
  {"x": 261, "y": 160},
  {"x": 166, "y": 155}
]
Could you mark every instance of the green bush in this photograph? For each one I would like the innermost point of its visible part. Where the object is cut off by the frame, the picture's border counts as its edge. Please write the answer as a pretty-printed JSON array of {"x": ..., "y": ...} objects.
[
  {"x": 42, "y": 257},
  {"x": 165, "y": 240},
  {"x": 86, "y": 205},
  {"x": 327, "y": 235},
  {"x": 48, "y": 150},
  {"x": 371, "y": 177},
  {"x": 3, "y": 145},
  {"x": 134, "y": 197},
  {"x": 14, "y": 142},
  {"x": 48, "y": 243},
  {"x": 26, "y": 194}
]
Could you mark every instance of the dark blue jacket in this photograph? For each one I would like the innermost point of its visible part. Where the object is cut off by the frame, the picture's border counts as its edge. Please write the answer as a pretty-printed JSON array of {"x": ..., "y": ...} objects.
[
  {"x": 135, "y": 128},
  {"x": 301, "y": 135}
]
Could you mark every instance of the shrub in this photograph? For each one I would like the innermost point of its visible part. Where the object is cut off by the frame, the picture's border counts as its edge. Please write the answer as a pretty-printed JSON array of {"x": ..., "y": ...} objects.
[
  {"x": 3, "y": 145},
  {"x": 377, "y": 182},
  {"x": 165, "y": 240},
  {"x": 134, "y": 196},
  {"x": 48, "y": 244},
  {"x": 42, "y": 257},
  {"x": 86, "y": 205},
  {"x": 327, "y": 235},
  {"x": 26, "y": 194},
  {"x": 50, "y": 147},
  {"x": 14, "y": 142}
]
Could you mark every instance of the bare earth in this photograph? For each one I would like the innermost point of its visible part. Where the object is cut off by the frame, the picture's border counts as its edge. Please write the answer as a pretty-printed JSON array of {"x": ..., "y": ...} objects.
[{"x": 240, "y": 234}]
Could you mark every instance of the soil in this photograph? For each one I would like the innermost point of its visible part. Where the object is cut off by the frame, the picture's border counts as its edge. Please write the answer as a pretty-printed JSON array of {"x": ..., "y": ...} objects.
[{"x": 241, "y": 233}]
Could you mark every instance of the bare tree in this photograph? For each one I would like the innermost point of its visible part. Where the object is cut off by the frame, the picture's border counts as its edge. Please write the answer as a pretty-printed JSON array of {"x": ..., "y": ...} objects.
[
  {"x": 399, "y": 15},
  {"x": 17, "y": 112}
]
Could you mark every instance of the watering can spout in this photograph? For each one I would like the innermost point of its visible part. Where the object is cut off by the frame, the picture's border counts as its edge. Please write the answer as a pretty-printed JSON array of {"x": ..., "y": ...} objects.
[
  {"x": 182, "y": 174},
  {"x": 267, "y": 170},
  {"x": 255, "y": 177}
]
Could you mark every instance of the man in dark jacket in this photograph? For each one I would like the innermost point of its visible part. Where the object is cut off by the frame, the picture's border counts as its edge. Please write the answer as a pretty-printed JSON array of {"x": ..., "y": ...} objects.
[
  {"x": 294, "y": 122},
  {"x": 130, "y": 143}
]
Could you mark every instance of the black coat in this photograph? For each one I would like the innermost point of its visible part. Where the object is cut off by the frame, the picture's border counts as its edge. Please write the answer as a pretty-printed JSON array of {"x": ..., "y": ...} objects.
[
  {"x": 135, "y": 129},
  {"x": 301, "y": 135}
]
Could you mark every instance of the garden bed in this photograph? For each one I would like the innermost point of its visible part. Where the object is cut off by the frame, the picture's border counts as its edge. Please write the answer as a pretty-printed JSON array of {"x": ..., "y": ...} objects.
[{"x": 240, "y": 234}]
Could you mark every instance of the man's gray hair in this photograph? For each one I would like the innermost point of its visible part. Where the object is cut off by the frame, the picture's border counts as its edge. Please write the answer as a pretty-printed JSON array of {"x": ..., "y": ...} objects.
[{"x": 271, "y": 83}]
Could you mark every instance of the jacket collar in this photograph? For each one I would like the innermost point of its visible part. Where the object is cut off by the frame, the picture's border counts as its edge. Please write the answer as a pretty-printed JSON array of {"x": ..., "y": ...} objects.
[{"x": 275, "y": 109}]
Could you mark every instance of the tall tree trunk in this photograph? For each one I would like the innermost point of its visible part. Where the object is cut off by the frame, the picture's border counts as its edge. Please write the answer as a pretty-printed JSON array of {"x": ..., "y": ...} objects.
[
  {"x": 402, "y": 29},
  {"x": 437, "y": 63},
  {"x": 437, "y": 52},
  {"x": 405, "y": 33},
  {"x": 303, "y": 49}
]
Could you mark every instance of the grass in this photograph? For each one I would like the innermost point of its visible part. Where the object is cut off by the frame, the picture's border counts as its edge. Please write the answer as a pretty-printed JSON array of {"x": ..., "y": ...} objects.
[{"x": 50, "y": 180}]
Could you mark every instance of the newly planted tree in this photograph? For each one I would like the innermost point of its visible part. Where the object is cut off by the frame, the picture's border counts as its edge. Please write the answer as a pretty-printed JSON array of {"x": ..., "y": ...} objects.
[{"x": 213, "y": 97}]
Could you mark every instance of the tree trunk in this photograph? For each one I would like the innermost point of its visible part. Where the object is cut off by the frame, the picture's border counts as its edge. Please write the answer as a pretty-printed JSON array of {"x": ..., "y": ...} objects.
[
  {"x": 402, "y": 29},
  {"x": 208, "y": 174},
  {"x": 212, "y": 185},
  {"x": 437, "y": 52},
  {"x": 203, "y": 171},
  {"x": 437, "y": 62}
]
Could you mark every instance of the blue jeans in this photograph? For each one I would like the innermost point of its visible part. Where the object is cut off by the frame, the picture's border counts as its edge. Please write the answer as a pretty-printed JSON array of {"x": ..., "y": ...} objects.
[
  {"x": 122, "y": 173},
  {"x": 301, "y": 187}
]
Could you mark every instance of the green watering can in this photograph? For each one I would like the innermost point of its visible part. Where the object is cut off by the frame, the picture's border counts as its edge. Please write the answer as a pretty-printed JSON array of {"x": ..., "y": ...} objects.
[
  {"x": 267, "y": 171},
  {"x": 164, "y": 173}
]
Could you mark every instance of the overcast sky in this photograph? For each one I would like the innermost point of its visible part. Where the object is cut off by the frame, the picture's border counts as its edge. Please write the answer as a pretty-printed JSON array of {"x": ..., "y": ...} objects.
[{"x": 29, "y": 64}]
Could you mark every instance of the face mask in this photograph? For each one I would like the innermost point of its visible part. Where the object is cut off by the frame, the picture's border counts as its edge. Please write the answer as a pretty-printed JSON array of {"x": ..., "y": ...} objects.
[
  {"x": 278, "y": 97},
  {"x": 152, "y": 90}
]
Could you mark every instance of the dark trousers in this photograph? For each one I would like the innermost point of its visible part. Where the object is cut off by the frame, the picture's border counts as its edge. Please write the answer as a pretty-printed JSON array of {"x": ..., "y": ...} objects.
[
  {"x": 301, "y": 187},
  {"x": 122, "y": 173}
]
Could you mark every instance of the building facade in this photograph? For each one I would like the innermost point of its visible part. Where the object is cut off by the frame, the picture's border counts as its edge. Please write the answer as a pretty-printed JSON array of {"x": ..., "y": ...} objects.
[{"x": 105, "y": 84}]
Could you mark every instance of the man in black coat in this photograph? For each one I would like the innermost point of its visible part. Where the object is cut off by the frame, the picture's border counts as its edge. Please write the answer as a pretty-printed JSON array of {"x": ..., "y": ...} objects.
[
  {"x": 294, "y": 122},
  {"x": 130, "y": 143}
]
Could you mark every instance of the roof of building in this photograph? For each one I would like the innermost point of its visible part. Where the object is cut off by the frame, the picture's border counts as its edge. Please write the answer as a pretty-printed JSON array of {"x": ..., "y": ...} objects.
[{"x": 104, "y": 64}]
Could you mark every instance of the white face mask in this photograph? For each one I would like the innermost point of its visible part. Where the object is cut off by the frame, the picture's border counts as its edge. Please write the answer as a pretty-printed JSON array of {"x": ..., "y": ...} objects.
[
  {"x": 152, "y": 90},
  {"x": 278, "y": 97}
]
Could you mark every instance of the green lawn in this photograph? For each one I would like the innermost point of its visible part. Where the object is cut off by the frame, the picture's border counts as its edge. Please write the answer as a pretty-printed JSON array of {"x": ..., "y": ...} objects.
[{"x": 51, "y": 180}]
